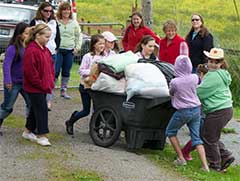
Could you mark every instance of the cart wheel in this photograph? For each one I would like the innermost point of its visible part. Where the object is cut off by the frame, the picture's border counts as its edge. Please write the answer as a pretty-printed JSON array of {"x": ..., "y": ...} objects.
[{"x": 105, "y": 127}]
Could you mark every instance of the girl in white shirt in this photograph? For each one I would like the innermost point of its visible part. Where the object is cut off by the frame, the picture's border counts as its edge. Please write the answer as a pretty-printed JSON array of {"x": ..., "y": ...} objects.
[{"x": 97, "y": 46}]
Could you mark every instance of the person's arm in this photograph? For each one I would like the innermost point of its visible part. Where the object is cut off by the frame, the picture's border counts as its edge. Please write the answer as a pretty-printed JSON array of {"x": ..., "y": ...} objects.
[
  {"x": 30, "y": 69},
  {"x": 7, "y": 64},
  {"x": 58, "y": 37},
  {"x": 184, "y": 49},
  {"x": 207, "y": 44},
  {"x": 171, "y": 88},
  {"x": 125, "y": 39},
  {"x": 78, "y": 38},
  {"x": 84, "y": 69},
  {"x": 151, "y": 33},
  {"x": 208, "y": 86}
]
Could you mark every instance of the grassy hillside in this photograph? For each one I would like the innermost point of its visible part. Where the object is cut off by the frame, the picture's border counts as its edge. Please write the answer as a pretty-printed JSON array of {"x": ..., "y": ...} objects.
[{"x": 220, "y": 16}]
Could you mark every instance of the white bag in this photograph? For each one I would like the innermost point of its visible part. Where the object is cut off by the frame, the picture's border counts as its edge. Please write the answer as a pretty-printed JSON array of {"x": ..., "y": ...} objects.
[
  {"x": 118, "y": 62},
  {"x": 145, "y": 79},
  {"x": 109, "y": 84}
]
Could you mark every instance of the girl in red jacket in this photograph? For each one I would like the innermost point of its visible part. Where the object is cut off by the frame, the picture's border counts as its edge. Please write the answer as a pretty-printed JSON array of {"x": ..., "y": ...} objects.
[
  {"x": 135, "y": 32},
  {"x": 38, "y": 80}
]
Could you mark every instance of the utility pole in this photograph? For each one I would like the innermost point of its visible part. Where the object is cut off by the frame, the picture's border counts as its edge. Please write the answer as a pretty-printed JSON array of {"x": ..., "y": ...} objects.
[{"x": 147, "y": 13}]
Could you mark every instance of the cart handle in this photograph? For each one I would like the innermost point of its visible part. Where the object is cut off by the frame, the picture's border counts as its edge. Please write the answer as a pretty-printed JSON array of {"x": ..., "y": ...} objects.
[{"x": 128, "y": 105}]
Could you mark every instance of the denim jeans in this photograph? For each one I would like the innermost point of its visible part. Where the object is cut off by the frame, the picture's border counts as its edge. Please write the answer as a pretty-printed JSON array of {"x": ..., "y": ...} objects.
[
  {"x": 189, "y": 116},
  {"x": 86, "y": 102},
  {"x": 10, "y": 97},
  {"x": 64, "y": 61}
]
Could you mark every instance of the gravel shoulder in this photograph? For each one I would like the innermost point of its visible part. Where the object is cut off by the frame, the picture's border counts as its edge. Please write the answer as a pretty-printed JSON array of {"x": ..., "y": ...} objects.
[{"x": 23, "y": 160}]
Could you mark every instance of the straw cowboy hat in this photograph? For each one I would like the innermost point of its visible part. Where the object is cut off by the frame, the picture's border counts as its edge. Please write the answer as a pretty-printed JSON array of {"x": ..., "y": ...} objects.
[{"x": 215, "y": 53}]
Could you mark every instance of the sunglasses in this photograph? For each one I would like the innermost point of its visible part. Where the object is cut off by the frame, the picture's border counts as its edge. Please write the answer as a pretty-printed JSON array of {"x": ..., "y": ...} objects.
[
  {"x": 47, "y": 11},
  {"x": 195, "y": 20}
]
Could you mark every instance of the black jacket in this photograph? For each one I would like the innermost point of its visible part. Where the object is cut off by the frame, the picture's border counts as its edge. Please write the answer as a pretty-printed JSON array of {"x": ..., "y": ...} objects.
[{"x": 197, "y": 46}]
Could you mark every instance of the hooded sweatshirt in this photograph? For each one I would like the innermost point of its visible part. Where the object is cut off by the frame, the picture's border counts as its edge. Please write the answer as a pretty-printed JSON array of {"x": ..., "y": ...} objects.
[
  {"x": 38, "y": 71},
  {"x": 183, "y": 88},
  {"x": 214, "y": 91}
]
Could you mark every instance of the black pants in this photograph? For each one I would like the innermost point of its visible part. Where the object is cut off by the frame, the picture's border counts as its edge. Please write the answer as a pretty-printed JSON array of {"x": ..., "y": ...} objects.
[{"x": 37, "y": 120}]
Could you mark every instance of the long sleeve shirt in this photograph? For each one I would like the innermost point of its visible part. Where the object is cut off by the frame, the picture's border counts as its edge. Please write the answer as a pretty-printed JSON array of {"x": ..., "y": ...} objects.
[
  {"x": 86, "y": 64},
  {"x": 133, "y": 36},
  {"x": 71, "y": 36},
  {"x": 12, "y": 69}
]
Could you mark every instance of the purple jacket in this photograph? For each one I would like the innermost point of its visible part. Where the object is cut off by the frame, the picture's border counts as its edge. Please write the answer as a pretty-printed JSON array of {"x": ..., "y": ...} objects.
[
  {"x": 12, "y": 70},
  {"x": 183, "y": 88}
]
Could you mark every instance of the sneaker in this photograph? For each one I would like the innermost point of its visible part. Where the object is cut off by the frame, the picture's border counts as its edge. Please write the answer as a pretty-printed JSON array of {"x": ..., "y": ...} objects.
[
  {"x": 180, "y": 162},
  {"x": 69, "y": 127},
  {"x": 227, "y": 162},
  {"x": 205, "y": 169},
  {"x": 43, "y": 141},
  {"x": 29, "y": 136},
  {"x": 64, "y": 95}
]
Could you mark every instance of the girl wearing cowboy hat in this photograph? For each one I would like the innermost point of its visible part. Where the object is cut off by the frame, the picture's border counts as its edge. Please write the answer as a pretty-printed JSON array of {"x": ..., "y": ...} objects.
[{"x": 216, "y": 98}]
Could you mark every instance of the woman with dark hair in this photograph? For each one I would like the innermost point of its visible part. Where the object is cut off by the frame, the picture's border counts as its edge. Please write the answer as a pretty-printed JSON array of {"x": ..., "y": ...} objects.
[
  {"x": 145, "y": 48},
  {"x": 13, "y": 73},
  {"x": 71, "y": 40},
  {"x": 135, "y": 31},
  {"x": 97, "y": 47},
  {"x": 199, "y": 39},
  {"x": 46, "y": 16}
]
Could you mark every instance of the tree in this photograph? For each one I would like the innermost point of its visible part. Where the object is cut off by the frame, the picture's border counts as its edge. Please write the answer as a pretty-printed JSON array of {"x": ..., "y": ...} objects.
[{"x": 147, "y": 13}]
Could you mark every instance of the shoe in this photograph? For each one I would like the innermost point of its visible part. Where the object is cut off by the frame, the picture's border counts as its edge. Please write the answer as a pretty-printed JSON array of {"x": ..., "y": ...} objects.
[
  {"x": 227, "y": 162},
  {"x": 187, "y": 156},
  {"x": 180, "y": 162},
  {"x": 205, "y": 169},
  {"x": 218, "y": 170},
  {"x": 64, "y": 95},
  {"x": 69, "y": 127},
  {"x": 43, "y": 141},
  {"x": 29, "y": 136}
]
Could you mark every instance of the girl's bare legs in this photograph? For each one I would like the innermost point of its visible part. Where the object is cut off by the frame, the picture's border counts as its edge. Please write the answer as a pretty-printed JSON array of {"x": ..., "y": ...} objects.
[
  {"x": 175, "y": 143},
  {"x": 202, "y": 156}
]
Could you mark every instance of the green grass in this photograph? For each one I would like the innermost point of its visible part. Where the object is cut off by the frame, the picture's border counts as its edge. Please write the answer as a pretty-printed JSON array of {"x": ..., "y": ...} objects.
[
  {"x": 166, "y": 157},
  {"x": 229, "y": 131},
  {"x": 74, "y": 77},
  {"x": 14, "y": 121},
  {"x": 219, "y": 16},
  {"x": 237, "y": 113}
]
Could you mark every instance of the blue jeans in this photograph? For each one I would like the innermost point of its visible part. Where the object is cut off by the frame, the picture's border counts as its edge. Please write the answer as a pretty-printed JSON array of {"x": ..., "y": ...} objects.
[
  {"x": 189, "y": 116},
  {"x": 64, "y": 61},
  {"x": 10, "y": 97},
  {"x": 86, "y": 102}
]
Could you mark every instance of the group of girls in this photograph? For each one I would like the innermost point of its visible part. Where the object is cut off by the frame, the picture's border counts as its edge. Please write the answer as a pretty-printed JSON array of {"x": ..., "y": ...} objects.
[{"x": 29, "y": 72}]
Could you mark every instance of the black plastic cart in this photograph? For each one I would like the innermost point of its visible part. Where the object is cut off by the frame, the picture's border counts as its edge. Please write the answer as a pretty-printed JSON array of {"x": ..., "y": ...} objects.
[{"x": 143, "y": 120}]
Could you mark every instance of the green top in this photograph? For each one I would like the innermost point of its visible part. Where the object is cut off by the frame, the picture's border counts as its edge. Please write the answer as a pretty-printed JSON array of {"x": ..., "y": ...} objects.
[
  {"x": 71, "y": 36},
  {"x": 214, "y": 92}
]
